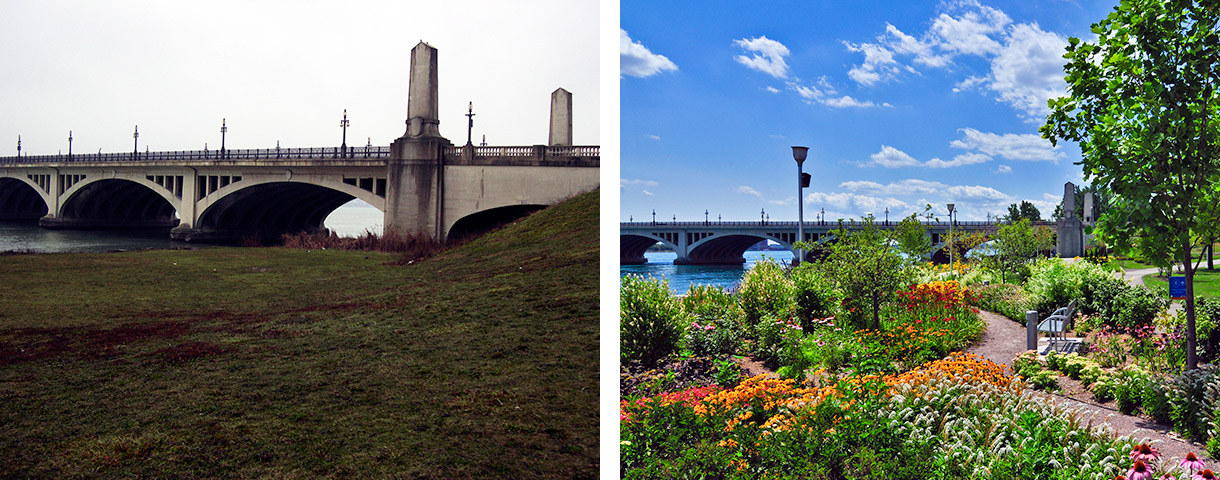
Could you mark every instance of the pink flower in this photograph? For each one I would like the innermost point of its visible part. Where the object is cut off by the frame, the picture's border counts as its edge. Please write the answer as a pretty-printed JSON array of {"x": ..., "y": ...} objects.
[
  {"x": 1192, "y": 463},
  {"x": 1139, "y": 471},
  {"x": 1145, "y": 453},
  {"x": 1204, "y": 475}
]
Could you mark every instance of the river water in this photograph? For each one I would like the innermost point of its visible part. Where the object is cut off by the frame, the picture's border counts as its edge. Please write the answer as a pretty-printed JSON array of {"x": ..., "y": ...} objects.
[
  {"x": 348, "y": 220},
  {"x": 661, "y": 266}
]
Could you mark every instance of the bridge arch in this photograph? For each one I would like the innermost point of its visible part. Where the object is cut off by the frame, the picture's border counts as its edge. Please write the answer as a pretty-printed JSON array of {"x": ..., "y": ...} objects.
[
  {"x": 485, "y": 220},
  {"x": 22, "y": 199},
  {"x": 115, "y": 202},
  {"x": 267, "y": 209},
  {"x": 724, "y": 249},
  {"x": 632, "y": 247}
]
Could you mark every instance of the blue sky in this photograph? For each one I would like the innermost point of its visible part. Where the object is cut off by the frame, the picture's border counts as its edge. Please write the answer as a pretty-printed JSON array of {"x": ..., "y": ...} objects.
[{"x": 902, "y": 104}]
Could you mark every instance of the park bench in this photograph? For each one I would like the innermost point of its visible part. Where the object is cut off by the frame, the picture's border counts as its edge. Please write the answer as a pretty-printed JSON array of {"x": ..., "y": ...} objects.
[{"x": 1057, "y": 322}]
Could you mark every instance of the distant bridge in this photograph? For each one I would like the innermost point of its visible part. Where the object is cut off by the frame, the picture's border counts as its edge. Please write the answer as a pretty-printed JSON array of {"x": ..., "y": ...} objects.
[
  {"x": 422, "y": 182},
  {"x": 723, "y": 243}
]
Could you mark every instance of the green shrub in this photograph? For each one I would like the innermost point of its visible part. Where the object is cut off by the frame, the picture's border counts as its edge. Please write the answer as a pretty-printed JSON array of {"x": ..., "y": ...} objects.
[
  {"x": 765, "y": 291},
  {"x": 1090, "y": 374},
  {"x": 1100, "y": 295},
  {"x": 1054, "y": 283},
  {"x": 815, "y": 296},
  {"x": 1005, "y": 299},
  {"x": 650, "y": 320},
  {"x": 1190, "y": 405},
  {"x": 1128, "y": 388},
  {"x": 1207, "y": 317},
  {"x": 1137, "y": 306},
  {"x": 1155, "y": 400},
  {"x": 728, "y": 373},
  {"x": 1103, "y": 388},
  {"x": 1045, "y": 380}
]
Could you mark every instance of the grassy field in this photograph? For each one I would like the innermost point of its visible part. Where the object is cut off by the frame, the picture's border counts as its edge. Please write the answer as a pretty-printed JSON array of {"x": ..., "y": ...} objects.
[
  {"x": 1207, "y": 282},
  {"x": 279, "y": 363}
]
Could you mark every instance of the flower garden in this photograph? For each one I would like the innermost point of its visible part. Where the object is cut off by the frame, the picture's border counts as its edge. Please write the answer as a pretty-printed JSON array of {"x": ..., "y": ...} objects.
[{"x": 847, "y": 400}]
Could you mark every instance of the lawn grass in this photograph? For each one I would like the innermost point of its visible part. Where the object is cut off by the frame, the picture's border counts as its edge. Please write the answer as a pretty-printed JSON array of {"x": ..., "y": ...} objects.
[
  {"x": 281, "y": 363},
  {"x": 1207, "y": 282}
]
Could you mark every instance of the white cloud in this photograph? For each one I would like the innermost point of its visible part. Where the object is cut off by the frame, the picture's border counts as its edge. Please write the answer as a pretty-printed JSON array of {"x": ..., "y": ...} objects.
[
  {"x": 975, "y": 192},
  {"x": 963, "y": 159},
  {"x": 767, "y": 56},
  {"x": 772, "y": 89},
  {"x": 748, "y": 191},
  {"x": 852, "y": 201},
  {"x": 636, "y": 60},
  {"x": 1029, "y": 70},
  {"x": 1026, "y": 63},
  {"x": 1009, "y": 146},
  {"x": 1003, "y": 169},
  {"x": 970, "y": 33},
  {"x": 878, "y": 63},
  {"x": 824, "y": 93},
  {"x": 890, "y": 157},
  {"x": 654, "y": 137},
  {"x": 909, "y": 186},
  {"x": 623, "y": 182},
  {"x": 648, "y": 193}
]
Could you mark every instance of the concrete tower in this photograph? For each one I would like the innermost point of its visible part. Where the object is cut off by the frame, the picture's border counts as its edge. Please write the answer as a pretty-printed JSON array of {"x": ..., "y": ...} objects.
[{"x": 561, "y": 118}]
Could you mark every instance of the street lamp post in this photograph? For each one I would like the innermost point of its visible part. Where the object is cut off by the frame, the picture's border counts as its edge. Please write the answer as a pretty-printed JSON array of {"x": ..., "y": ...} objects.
[
  {"x": 344, "y": 124},
  {"x": 654, "y": 216},
  {"x": 705, "y": 221},
  {"x": 823, "y": 216},
  {"x": 18, "y": 146},
  {"x": 69, "y": 145},
  {"x": 799, "y": 154},
  {"x": 135, "y": 148},
  {"x": 224, "y": 128},
  {"x": 887, "y": 216},
  {"x": 469, "y": 122},
  {"x": 762, "y": 217},
  {"x": 950, "y": 236}
]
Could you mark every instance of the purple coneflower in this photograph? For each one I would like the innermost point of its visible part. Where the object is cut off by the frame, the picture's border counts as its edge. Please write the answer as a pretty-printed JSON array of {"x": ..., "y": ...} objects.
[
  {"x": 1139, "y": 471},
  {"x": 1204, "y": 475},
  {"x": 1145, "y": 453},
  {"x": 1192, "y": 463}
]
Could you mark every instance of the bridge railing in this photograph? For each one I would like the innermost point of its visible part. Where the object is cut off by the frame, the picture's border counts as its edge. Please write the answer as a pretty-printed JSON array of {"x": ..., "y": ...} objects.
[
  {"x": 227, "y": 154},
  {"x": 536, "y": 151},
  {"x": 812, "y": 223}
]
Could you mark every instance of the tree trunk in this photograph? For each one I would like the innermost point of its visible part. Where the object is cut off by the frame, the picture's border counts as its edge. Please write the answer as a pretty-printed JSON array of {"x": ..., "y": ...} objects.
[
  {"x": 877, "y": 312},
  {"x": 1192, "y": 361},
  {"x": 1211, "y": 245}
]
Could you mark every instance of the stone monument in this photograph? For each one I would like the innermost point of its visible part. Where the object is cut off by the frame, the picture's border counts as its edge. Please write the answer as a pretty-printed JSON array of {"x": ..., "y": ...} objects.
[
  {"x": 416, "y": 165},
  {"x": 1070, "y": 229}
]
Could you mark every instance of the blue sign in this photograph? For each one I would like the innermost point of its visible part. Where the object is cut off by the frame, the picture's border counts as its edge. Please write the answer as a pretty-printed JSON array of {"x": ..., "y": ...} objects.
[{"x": 1177, "y": 288}]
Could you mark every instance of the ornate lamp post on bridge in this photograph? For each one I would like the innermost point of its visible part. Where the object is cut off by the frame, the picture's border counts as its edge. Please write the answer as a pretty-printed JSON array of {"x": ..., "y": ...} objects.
[
  {"x": 799, "y": 154},
  {"x": 823, "y": 216},
  {"x": 469, "y": 122},
  {"x": 135, "y": 148},
  {"x": 18, "y": 146},
  {"x": 344, "y": 124},
  {"x": 69, "y": 145},
  {"x": 224, "y": 128},
  {"x": 654, "y": 216},
  {"x": 887, "y": 216},
  {"x": 705, "y": 221}
]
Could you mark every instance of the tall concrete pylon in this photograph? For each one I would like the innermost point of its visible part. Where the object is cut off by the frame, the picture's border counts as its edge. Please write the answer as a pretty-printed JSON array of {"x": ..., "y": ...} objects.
[
  {"x": 561, "y": 118},
  {"x": 415, "y": 171},
  {"x": 423, "y": 118}
]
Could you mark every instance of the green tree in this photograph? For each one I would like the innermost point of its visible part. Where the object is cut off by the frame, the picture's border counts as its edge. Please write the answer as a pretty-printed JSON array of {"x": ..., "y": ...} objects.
[
  {"x": 1142, "y": 102},
  {"x": 865, "y": 266},
  {"x": 1015, "y": 246},
  {"x": 912, "y": 239},
  {"x": 1025, "y": 210}
]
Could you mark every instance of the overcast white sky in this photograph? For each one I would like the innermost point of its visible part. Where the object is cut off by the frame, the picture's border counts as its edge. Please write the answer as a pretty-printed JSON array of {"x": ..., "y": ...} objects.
[{"x": 285, "y": 70}]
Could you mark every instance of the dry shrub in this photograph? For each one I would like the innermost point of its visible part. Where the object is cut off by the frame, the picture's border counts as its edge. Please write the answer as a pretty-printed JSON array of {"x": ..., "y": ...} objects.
[{"x": 412, "y": 246}]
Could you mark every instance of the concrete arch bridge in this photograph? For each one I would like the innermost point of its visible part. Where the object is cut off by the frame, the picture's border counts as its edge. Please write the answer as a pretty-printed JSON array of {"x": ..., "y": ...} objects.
[
  {"x": 723, "y": 243},
  {"x": 422, "y": 182}
]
